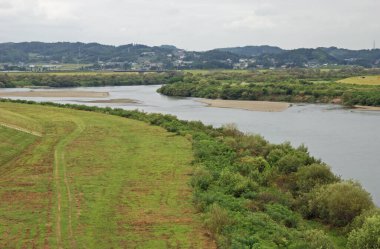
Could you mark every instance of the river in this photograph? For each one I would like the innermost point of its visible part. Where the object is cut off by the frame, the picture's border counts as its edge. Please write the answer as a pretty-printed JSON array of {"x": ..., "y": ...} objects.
[{"x": 347, "y": 140}]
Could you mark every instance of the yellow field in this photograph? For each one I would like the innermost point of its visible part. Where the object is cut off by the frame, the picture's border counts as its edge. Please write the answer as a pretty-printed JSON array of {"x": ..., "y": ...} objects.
[{"x": 362, "y": 80}]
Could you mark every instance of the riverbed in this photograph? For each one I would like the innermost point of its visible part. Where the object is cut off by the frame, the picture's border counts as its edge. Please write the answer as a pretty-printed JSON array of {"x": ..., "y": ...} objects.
[{"x": 348, "y": 140}]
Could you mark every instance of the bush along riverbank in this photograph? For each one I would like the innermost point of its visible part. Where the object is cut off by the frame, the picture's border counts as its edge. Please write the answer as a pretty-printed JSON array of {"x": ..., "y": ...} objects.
[
  {"x": 306, "y": 86},
  {"x": 254, "y": 194}
]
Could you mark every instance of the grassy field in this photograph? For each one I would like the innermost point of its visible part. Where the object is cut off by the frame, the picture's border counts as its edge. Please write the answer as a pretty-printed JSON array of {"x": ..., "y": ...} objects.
[
  {"x": 74, "y": 179},
  {"x": 363, "y": 80}
]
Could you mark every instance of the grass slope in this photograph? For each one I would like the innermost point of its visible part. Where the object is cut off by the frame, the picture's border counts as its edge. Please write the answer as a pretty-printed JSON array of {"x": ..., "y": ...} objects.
[{"x": 93, "y": 181}]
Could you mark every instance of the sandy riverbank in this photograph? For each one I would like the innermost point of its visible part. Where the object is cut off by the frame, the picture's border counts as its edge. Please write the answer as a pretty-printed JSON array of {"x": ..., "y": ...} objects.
[
  {"x": 56, "y": 94},
  {"x": 112, "y": 101},
  {"x": 367, "y": 108},
  {"x": 260, "y": 106}
]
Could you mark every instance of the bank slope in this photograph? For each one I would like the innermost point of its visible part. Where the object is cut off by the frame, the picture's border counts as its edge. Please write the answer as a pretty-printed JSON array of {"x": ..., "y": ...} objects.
[{"x": 93, "y": 181}]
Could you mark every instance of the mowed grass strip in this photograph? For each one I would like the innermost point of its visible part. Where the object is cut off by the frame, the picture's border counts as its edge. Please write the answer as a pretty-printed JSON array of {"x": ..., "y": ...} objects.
[
  {"x": 12, "y": 143},
  {"x": 363, "y": 80},
  {"x": 122, "y": 184}
]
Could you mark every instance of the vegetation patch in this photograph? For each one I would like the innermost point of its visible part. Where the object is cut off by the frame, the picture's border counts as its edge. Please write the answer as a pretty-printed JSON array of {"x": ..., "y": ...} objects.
[{"x": 292, "y": 85}]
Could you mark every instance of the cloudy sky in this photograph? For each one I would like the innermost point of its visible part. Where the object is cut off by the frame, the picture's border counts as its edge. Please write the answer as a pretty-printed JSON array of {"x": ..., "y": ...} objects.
[{"x": 194, "y": 24}]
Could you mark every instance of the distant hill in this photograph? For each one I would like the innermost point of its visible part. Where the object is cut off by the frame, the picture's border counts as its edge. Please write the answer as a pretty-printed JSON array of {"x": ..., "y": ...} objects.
[
  {"x": 22, "y": 56},
  {"x": 253, "y": 50}
]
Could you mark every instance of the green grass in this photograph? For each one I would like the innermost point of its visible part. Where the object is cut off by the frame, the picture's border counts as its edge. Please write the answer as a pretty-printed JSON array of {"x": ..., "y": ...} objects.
[
  {"x": 363, "y": 80},
  {"x": 12, "y": 143},
  {"x": 93, "y": 181}
]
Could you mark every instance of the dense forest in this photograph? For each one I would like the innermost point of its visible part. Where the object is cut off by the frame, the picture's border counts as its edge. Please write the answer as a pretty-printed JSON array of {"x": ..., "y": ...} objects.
[
  {"x": 170, "y": 57},
  {"x": 295, "y": 85},
  {"x": 254, "y": 194}
]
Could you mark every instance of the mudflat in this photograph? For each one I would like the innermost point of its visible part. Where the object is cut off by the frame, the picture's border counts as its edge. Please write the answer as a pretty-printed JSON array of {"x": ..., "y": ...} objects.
[
  {"x": 63, "y": 94},
  {"x": 261, "y": 106}
]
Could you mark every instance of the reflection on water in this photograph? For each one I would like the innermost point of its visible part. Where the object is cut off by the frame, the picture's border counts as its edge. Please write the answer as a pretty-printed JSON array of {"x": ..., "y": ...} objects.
[{"x": 349, "y": 141}]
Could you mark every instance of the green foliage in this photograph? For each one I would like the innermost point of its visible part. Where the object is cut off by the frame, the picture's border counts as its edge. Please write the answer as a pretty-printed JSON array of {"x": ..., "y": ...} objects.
[
  {"x": 359, "y": 220},
  {"x": 339, "y": 203},
  {"x": 292, "y": 85},
  {"x": 87, "y": 79},
  {"x": 201, "y": 179},
  {"x": 314, "y": 175},
  {"x": 366, "y": 237},
  {"x": 283, "y": 215},
  {"x": 314, "y": 239},
  {"x": 217, "y": 219}
]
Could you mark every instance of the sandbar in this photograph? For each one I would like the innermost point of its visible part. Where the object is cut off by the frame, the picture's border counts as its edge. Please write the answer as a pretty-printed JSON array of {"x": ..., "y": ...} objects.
[
  {"x": 260, "y": 106},
  {"x": 112, "y": 101},
  {"x": 367, "y": 108},
  {"x": 57, "y": 94}
]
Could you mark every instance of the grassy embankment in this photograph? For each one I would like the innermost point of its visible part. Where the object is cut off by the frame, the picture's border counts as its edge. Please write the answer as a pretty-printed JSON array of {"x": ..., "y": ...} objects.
[{"x": 87, "y": 182}]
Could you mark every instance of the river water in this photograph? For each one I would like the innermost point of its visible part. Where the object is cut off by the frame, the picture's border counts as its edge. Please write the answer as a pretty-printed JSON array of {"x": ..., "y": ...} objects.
[{"x": 347, "y": 140}]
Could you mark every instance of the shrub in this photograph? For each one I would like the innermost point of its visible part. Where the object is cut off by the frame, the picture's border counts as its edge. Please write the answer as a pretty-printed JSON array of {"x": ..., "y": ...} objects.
[
  {"x": 282, "y": 215},
  {"x": 201, "y": 179},
  {"x": 255, "y": 145},
  {"x": 236, "y": 184},
  {"x": 314, "y": 175},
  {"x": 366, "y": 237},
  {"x": 249, "y": 164},
  {"x": 292, "y": 161},
  {"x": 358, "y": 222},
  {"x": 217, "y": 219},
  {"x": 339, "y": 203},
  {"x": 314, "y": 239}
]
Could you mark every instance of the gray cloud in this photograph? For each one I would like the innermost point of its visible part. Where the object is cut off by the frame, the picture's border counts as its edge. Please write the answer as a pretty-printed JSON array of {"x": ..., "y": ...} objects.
[{"x": 196, "y": 24}]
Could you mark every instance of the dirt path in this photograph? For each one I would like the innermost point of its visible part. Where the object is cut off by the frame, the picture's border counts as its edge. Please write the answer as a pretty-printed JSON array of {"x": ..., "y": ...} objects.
[
  {"x": 63, "y": 185},
  {"x": 14, "y": 127}
]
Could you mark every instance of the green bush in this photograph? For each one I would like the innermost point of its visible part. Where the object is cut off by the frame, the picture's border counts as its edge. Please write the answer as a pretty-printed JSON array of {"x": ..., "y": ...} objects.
[
  {"x": 312, "y": 176},
  {"x": 314, "y": 239},
  {"x": 358, "y": 222},
  {"x": 236, "y": 184},
  {"x": 290, "y": 163},
  {"x": 201, "y": 179},
  {"x": 282, "y": 215},
  {"x": 217, "y": 219},
  {"x": 339, "y": 203},
  {"x": 366, "y": 237}
]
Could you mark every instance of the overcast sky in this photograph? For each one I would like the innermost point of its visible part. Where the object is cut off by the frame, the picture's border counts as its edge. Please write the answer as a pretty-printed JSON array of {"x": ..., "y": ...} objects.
[{"x": 194, "y": 24}]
